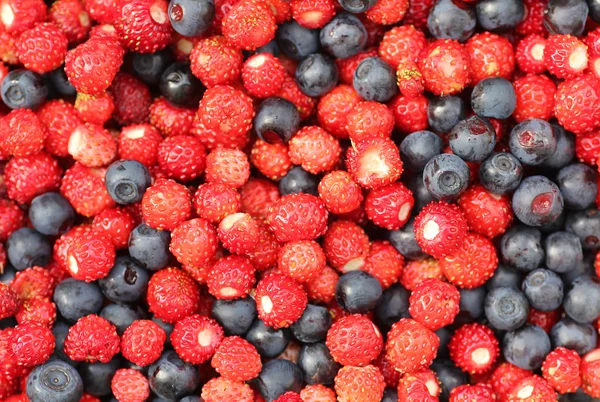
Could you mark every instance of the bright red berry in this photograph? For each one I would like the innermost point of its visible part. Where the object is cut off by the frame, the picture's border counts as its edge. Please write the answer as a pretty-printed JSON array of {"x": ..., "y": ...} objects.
[
  {"x": 90, "y": 257},
  {"x": 170, "y": 119},
  {"x": 368, "y": 120},
  {"x": 116, "y": 224},
  {"x": 92, "y": 146},
  {"x": 236, "y": 359},
  {"x": 473, "y": 264},
  {"x": 410, "y": 113},
  {"x": 194, "y": 242},
  {"x": 290, "y": 91},
  {"x": 314, "y": 13},
  {"x": 249, "y": 24},
  {"x": 359, "y": 384},
  {"x": 214, "y": 201},
  {"x": 472, "y": 393},
  {"x": 317, "y": 393},
  {"x": 60, "y": 118},
  {"x": 565, "y": 56},
  {"x": 530, "y": 54},
  {"x": 374, "y": 163},
  {"x": 322, "y": 288},
  {"x": 95, "y": 109},
  {"x": 301, "y": 260},
  {"x": 84, "y": 188},
  {"x": 28, "y": 176},
  {"x": 390, "y": 206},
  {"x": 587, "y": 147},
  {"x": 534, "y": 389},
  {"x": 22, "y": 133},
  {"x": 231, "y": 277},
  {"x": 216, "y": 62},
  {"x": 280, "y": 300},
  {"x": 9, "y": 302},
  {"x": 533, "y": 21},
  {"x": 132, "y": 99},
  {"x": 139, "y": 142},
  {"x": 221, "y": 389},
  {"x": 411, "y": 346},
  {"x": 21, "y": 15},
  {"x": 346, "y": 245},
  {"x": 561, "y": 370},
  {"x": 491, "y": 55},
  {"x": 445, "y": 65},
  {"x": 172, "y": 295},
  {"x": 419, "y": 386},
  {"x": 505, "y": 377},
  {"x": 182, "y": 157},
  {"x": 339, "y": 192},
  {"x": 92, "y": 339},
  {"x": 354, "y": 340},
  {"x": 70, "y": 16},
  {"x": 46, "y": 36},
  {"x": 486, "y": 213},
  {"x": 264, "y": 255},
  {"x": 434, "y": 303},
  {"x": 298, "y": 217},
  {"x": 129, "y": 385},
  {"x": 142, "y": 342},
  {"x": 474, "y": 348},
  {"x": 257, "y": 197},
  {"x": 195, "y": 338},
  {"x": 590, "y": 373},
  {"x": 577, "y": 106},
  {"x": 400, "y": 44},
  {"x": 166, "y": 204},
  {"x": 227, "y": 166},
  {"x": 334, "y": 108},
  {"x": 32, "y": 343},
  {"x": 314, "y": 149},
  {"x": 535, "y": 97},
  {"x": 272, "y": 160},
  {"x": 263, "y": 75},
  {"x": 387, "y": 12},
  {"x": 11, "y": 218},
  {"x": 440, "y": 229},
  {"x": 33, "y": 282},
  {"x": 143, "y": 25},
  {"x": 289, "y": 396}
]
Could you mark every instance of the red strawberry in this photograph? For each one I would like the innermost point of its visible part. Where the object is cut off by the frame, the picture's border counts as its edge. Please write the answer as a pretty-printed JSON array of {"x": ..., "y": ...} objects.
[
  {"x": 317, "y": 393},
  {"x": 322, "y": 288},
  {"x": 535, "y": 97},
  {"x": 132, "y": 99},
  {"x": 32, "y": 343},
  {"x": 334, "y": 107},
  {"x": 410, "y": 113},
  {"x": 92, "y": 146},
  {"x": 264, "y": 255},
  {"x": 33, "y": 282},
  {"x": 473, "y": 264},
  {"x": 92, "y": 339},
  {"x": 263, "y": 75},
  {"x": 505, "y": 377},
  {"x": 60, "y": 118},
  {"x": 195, "y": 338},
  {"x": 140, "y": 142},
  {"x": 390, "y": 206},
  {"x": 417, "y": 12},
  {"x": 220, "y": 389},
  {"x": 231, "y": 278},
  {"x": 28, "y": 176},
  {"x": 182, "y": 157},
  {"x": 214, "y": 201},
  {"x": 103, "y": 11},
  {"x": 9, "y": 302},
  {"x": 289, "y": 90},
  {"x": 95, "y": 109},
  {"x": 129, "y": 385},
  {"x": 236, "y": 359},
  {"x": 369, "y": 120},
  {"x": 227, "y": 166},
  {"x": 419, "y": 386},
  {"x": 411, "y": 346},
  {"x": 257, "y": 197},
  {"x": 445, "y": 65},
  {"x": 354, "y": 340},
  {"x": 314, "y": 149},
  {"x": 440, "y": 229},
  {"x": 400, "y": 44},
  {"x": 359, "y": 384},
  {"x": 280, "y": 300},
  {"x": 530, "y": 54},
  {"x": 249, "y": 24},
  {"x": 142, "y": 342},
  {"x": 346, "y": 246},
  {"x": 71, "y": 17},
  {"x": 491, "y": 55},
  {"x": 314, "y": 13},
  {"x": 544, "y": 319},
  {"x": 289, "y": 396},
  {"x": 565, "y": 56},
  {"x": 577, "y": 106},
  {"x": 21, "y": 15},
  {"x": 45, "y": 36},
  {"x": 347, "y": 66},
  {"x": 272, "y": 160},
  {"x": 472, "y": 393},
  {"x": 434, "y": 303},
  {"x": 194, "y": 242},
  {"x": 22, "y": 133},
  {"x": 587, "y": 147},
  {"x": 297, "y": 217},
  {"x": 384, "y": 262},
  {"x": 590, "y": 373},
  {"x": 419, "y": 270},
  {"x": 561, "y": 370},
  {"x": 388, "y": 12},
  {"x": 339, "y": 192},
  {"x": 532, "y": 389},
  {"x": 409, "y": 79},
  {"x": 84, "y": 188},
  {"x": 374, "y": 163},
  {"x": 90, "y": 257},
  {"x": 172, "y": 295},
  {"x": 301, "y": 260},
  {"x": 170, "y": 119},
  {"x": 486, "y": 213},
  {"x": 474, "y": 348},
  {"x": 166, "y": 204},
  {"x": 116, "y": 224},
  {"x": 143, "y": 25},
  {"x": 533, "y": 22},
  {"x": 216, "y": 62},
  {"x": 11, "y": 219}
]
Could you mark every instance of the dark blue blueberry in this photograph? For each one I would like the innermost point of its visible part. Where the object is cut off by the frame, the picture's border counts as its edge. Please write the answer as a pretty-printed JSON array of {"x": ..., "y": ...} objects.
[
  {"x": 392, "y": 307},
  {"x": 444, "y": 112},
  {"x": 344, "y": 36},
  {"x": 278, "y": 377},
  {"x": 313, "y": 325},
  {"x": 9, "y": 322},
  {"x": 191, "y": 17},
  {"x": 504, "y": 276},
  {"x": 358, "y": 292},
  {"x": 537, "y": 201},
  {"x": 150, "y": 247},
  {"x": 544, "y": 289},
  {"x": 471, "y": 304},
  {"x": 298, "y": 180},
  {"x": 60, "y": 330},
  {"x": 446, "y": 177},
  {"x": 585, "y": 225},
  {"x": 449, "y": 375},
  {"x": 447, "y": 20},
  {"x": 179, "y": 86},
  {"x": 269, "y": 342},
  {"x": 171, "y": 378},
  {"x": 555, "y": 225},
  {"x": 235, "y": 316},
  {"x": 563, "y": 251},
  {"x": 7, "y": 274},
  {"x": 594, "y": 12},
  {"x": 532, "y": 141},
  {"x": 526, "y": 347},
  {"x": 494, "y": 97},
  {"x": 54, "y": 381},
  {"x": 357, "y": 6},
  {"x": 51, "y": 214},
  {"x": 27, "y": 247},
  {"x": 168, "y": 328},
  {"x": 121, "y": 315},
  {"x": 75, "y": 299},
  {"x": 150, "y": 66},
  {"x": 191, "y": 398},
  {"x": 500, "y": 15},
  {"x": 584, "y": 268},
  {"x": 404, "y": 241},
  {"x": 126, "y": 181},
  {"x": 572, "y": 335},
  {"x": 582, "y": 302},
  {"x": 506, "y": 308},
  {"x": 521, "y": 248},
  {"x": 60, "y": 83},
  {"x": 577, "y": 396},
  {"x": 276, "y": 120},
  {"x": 473, "y": 139},
  {"x": 23, "y": 89},
  {"x": 420, "y": 192},
  {"x": 566, "y": 17},
  {"x": 375, "y": 80},
  {"x": 444, "y": 334},
  {"x": 126, "y": 282},
  {"x": 316, "y": 364},
  {"x": 317, "y": 74},
  {"x": 98, "y": 376},
  {"x": 272, "y": 47},
  {"x": 390, "y": 395},
  {"x": 501, "y": 173},
  {"x": 565, "y": 149},
  {"x": 296, "y": 41},
  {"x": 416, "y": 149},
  {"x": 578, "y": 184}
]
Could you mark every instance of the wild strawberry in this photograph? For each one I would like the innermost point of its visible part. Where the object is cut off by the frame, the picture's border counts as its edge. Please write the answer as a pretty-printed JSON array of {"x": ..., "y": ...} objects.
[
  {"x": 272, "y": 160},
  {"x": 45, "y": 36},
  {"x": 472, "y": 393},
  {"x": 359, "y": 384},
  {"x": 8, "y": 51},
  {"x": 301, "y": 260},
  {"x": 535, "y": 97},
  {"x": 354, "y": 340},
  {"x": 334, "y": 107},
  {"x": 384, "y": 262},
  {"x": 289, "y": 396},
  {"x": 410, "y": 113},
  {"x": 116, "y": 224},
  {"x": 33, "y": 282},
  {"x": 587, "y": 147},
  {"x": 474, "y": 348},
  {"x": 561, "y": 370},
  {"x": 231, "y": 278},
  {"x": 533, "y": 22},
  {"x": 195, "y": 338},
  {"x": 534, "y": 389},
  {"x": 389, "y": 206},
  {"x": 92, "y": 66},
  {"x": 322, "y": 288},
  {"x": 139, "y": 142},
  {"x": 194, "y": 242},
  {"x": 103, "y": 11},
  {"x": 129, "y": 385},
  {"x": 170, "y": 119},
  {"x": 314, "y": 149},
  {"x": 440, "y": 229},
  {"x": 312, "y": 14},
  {"x": 565, "y": 56},
  {"x": 369, "y": 120},
  {"x": 578, "y": 103},
  {"x": 263, "y": 75},
  {"x": 11, "y": 218},
  {"x": 390, "y": 374},
  {"x": 105, "y": 30},
  {"x": 71, "y": 17},
  {"x": 264, "y": 255},
  {"x": 374, "y": 163},
  {"x": 84, "y": 188},
  {"x": 289, "y": 90},
  {"x": 486, "y": 213},
  {"x": 9, "y": 302},
  {"x": 143, "y": 25},
  {"x": 132, "y": 99},
  {"x": 92, "y": 146},
  {"x": 32, "y": 343},
  {"x": 346, "y": 246},
  {"x": 387, "y": 12},
  {"x": 257, "y": 197},
  {"x": 92, "y": 339},
  {"x": 23, "y": 133},
  {"x": 421, "y": 385},
  {"x": 172, "y": 295},
  {"x": 590, "y": 373},
  {"x": 409, "y": 79},
  {"x": 21, "y": 15},
  {"x": 95, "y": 109},
  {"x": 90, "y": 257},
  {"x": 182, "y": 157},
  {"x": 216, "y": 62},
  {"x": 317, "y": 393},
  {"x": 417, "y": 12},
  {"x": 166, "y": 204},
  {"x": 491, "y": 55},
  {"x": 60, "y": 118},
  {"x": 401, "y": 44},
  {"x": 530, "y": 54},
  {"x": 62, "y": 244},
  {"x": 544, "y": 319},
  {"x": 280, "y": 300},
  {"x": 249, "y": 24},
  {"x": 297, "y": 217},
  {"x": 348, "y": 65},
  {"x": 434, "y": 303},
  {"x": 28, "y": 176},
  {"x": 339, "y": 192},
  {"x": 281, "y": 9},
  {"x": 214, "y": 201},
  {"x": 142, "y": 342},
  {"x": 227, "y": 166},
  {"x": 236, "y": 359},
  {"x": 415, "y": 272},
  {"x": 411, "y": 346},
  {"x": 444, "y": 64},
  {"x": 220, "y": 389},
  {"x": 473, "y": 264}
]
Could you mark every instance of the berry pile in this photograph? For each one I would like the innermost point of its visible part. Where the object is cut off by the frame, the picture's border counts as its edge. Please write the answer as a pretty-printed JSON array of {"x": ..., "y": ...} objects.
[{"x": 299, "y": 200}]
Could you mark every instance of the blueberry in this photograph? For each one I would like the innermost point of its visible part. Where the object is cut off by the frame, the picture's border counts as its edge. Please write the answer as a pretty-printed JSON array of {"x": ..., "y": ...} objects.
[
  {"x": 276, "y": 120},
  {"x": 126, "y": 282},
  {"x": 191, "y": 17},
  {"x": 316, "y": 364},
  {"x": 7, "y": 274},
  {"x": 60, "y": 83},
  {"x": 317, "y": 74},
  {"x": 171, "y": 378},
  {"x": 75, "y": 299},
  {"x": 500, "y": 15},
  {"x": 444, "y": 334},
  {"x": 566, "y": 17},
  {"x": 532, "y": 141},
  {"x": 179, "y": 86},
  {"x": 506, "y": 308},
  {"x": 473, "y": 139},
  {"x": 578, "y": 185},
  {"x": 168, "y": 328},
  {"x": 23, "y": 89},
  {"x": 449, "y": 376},
  {"x": 269, "y": 342},
  {"x": 447, "y": 20},
  {"x": 446, "y": 177},
  {"x": 278, "y": 377},
  {"x": 416, "y": 149},
  {"x": 344, "y": 36},
  {"x": 420, "y": 192},
  {"x": 357, "y": 6},
  {"x": 494, "y": 97},
  {"x": 9, "y": 322},
  {"x": 471, "y": 304},
  {"x": 572, "y": 335},
  {"x": 501, "y": 173},
  {"x": 390, "y": 395},
  {"x": 544, "y": 289},
  {"x": 375, "y": 80},
  {"x": 150, "y": 247},
  {"x": 563, "y": 251},
  {"x": 404, "y": 241},
  {"x": 150, "y": 66},
  {"x": 121, "y": 315},
  {"x": 98, "y": 376},
  {"x": 554, "y": 226},
  {"x": 272, "y": 47},
  {"x": 191, "y": 398},
  {"x": 504, "y": 276},
  {"x": 444, "y": 112},
  {"x": 296, "y": 41},
  {"x": 60, "y": 330},
  {"x": 526, "y": 347},
  {"x": 298, "y": 180},
  {"x": 358, "y": 292},
  {"x": 565, "y": 149},
  {"x": 594, "y": 10},
  {"x": 235, "y": 316},
  {"x": 27, "y": 247},
  {"x": 537, "y": 201},
  {"x": 126, "y": 181},
  {"x": 582, "y": 302},
  {"x": 521, "y": 248},
  {"x": 584, "y": 268},
  {"x": 51, "y": 214},
  {"x": 313, "y": 325},
  {"x": 585, "y": 225},
  {"x": 392, "y": 307},
  {"x": 54, "y": 381},
  {"x": 577, "y": 396}
]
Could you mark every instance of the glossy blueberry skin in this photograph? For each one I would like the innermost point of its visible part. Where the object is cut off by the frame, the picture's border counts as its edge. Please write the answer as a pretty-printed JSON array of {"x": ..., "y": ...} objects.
[
  {"x": 278, "y": 377},
  {"x": 54, "y": 381},
  {"x": 473, "y": 139},
  {"x": 390, "y": 395},
  {"x": 51, "y": 214},
  {"x": 420, "y": 192},
  {"x": 8, "y": 274},
  {"x": 405, "y": 242},
  {"x": 150, "y": 66},
  {"x": 416, "y": 149},
  {"x": 317, "y": 74},
  {"x": 272, "y": 47},
  {"x": 506, "y": 308},
  {"x": 448, "y": 21},
  {"x": 344, "y": 36},
  {"x": 276, "y": 120},
  {"x": 75, "y": 299},
  {"x": 60, "y": 83},
  {"x": 471, "y": 304},
  {"x": 296, "y": 41},
  {"x": 357, "y": 6},
  {"x": 578, "y": 184},
  {"x": 191, "y": 17},
  {"x": 584, "y": 268},
  {"x": 449, "y": 375},
  {"x": 269, "y": 342},
  {"x": 504, "y": 276},
  {"x": 444, "y": 112},
  {"x": 532, "y": 141},
  {"x": 168, "y": 328},
  {"x": 537, "y": 201},
  {"x": 298, "y": 180},
  {"x": 235, "y": 316},
  {"x": 313, "y": 325},
  {"x": 22, "y": 88},
  {"x": 60, "y": 330},
  {"x": 563, "y": 251},
  {"x": 566, "y": 17},
  {"x": 126, "y": 181},
  {"x": 179, "y": 86},
  {"x": 150, "y": 247},
  {"x": 121, "y": 315},
  {"x": 494, "y": 97},
  {"x": 585, "y": 225},
  {"x": 358, "y": 292},
  {"x": 97, "y": 376},
  {"x": 567, "y": 333},
  {"x": 446, "y": 177},
  {"x": 171, "y": 378},
  {"x": 544, "y": 289},
  {"x": 565, "y": 149},
  {"x": 500, "y": 173},
  {"x": 582, "y": 302},
  {"x": 126, "y": 282},
  {"x": 375, "y": 80},
  {"x": 500, "y": 15},
  {"x": 521, "y": 248},
  {"x": 526, "y": 347},
  {"x": 594, "y": 9},
  {"x": 26, "y": 248},
  {"x": 392, "y": 307},
  {"x": 445, "y": 334},
  {"x": 316, "y": 364}
]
